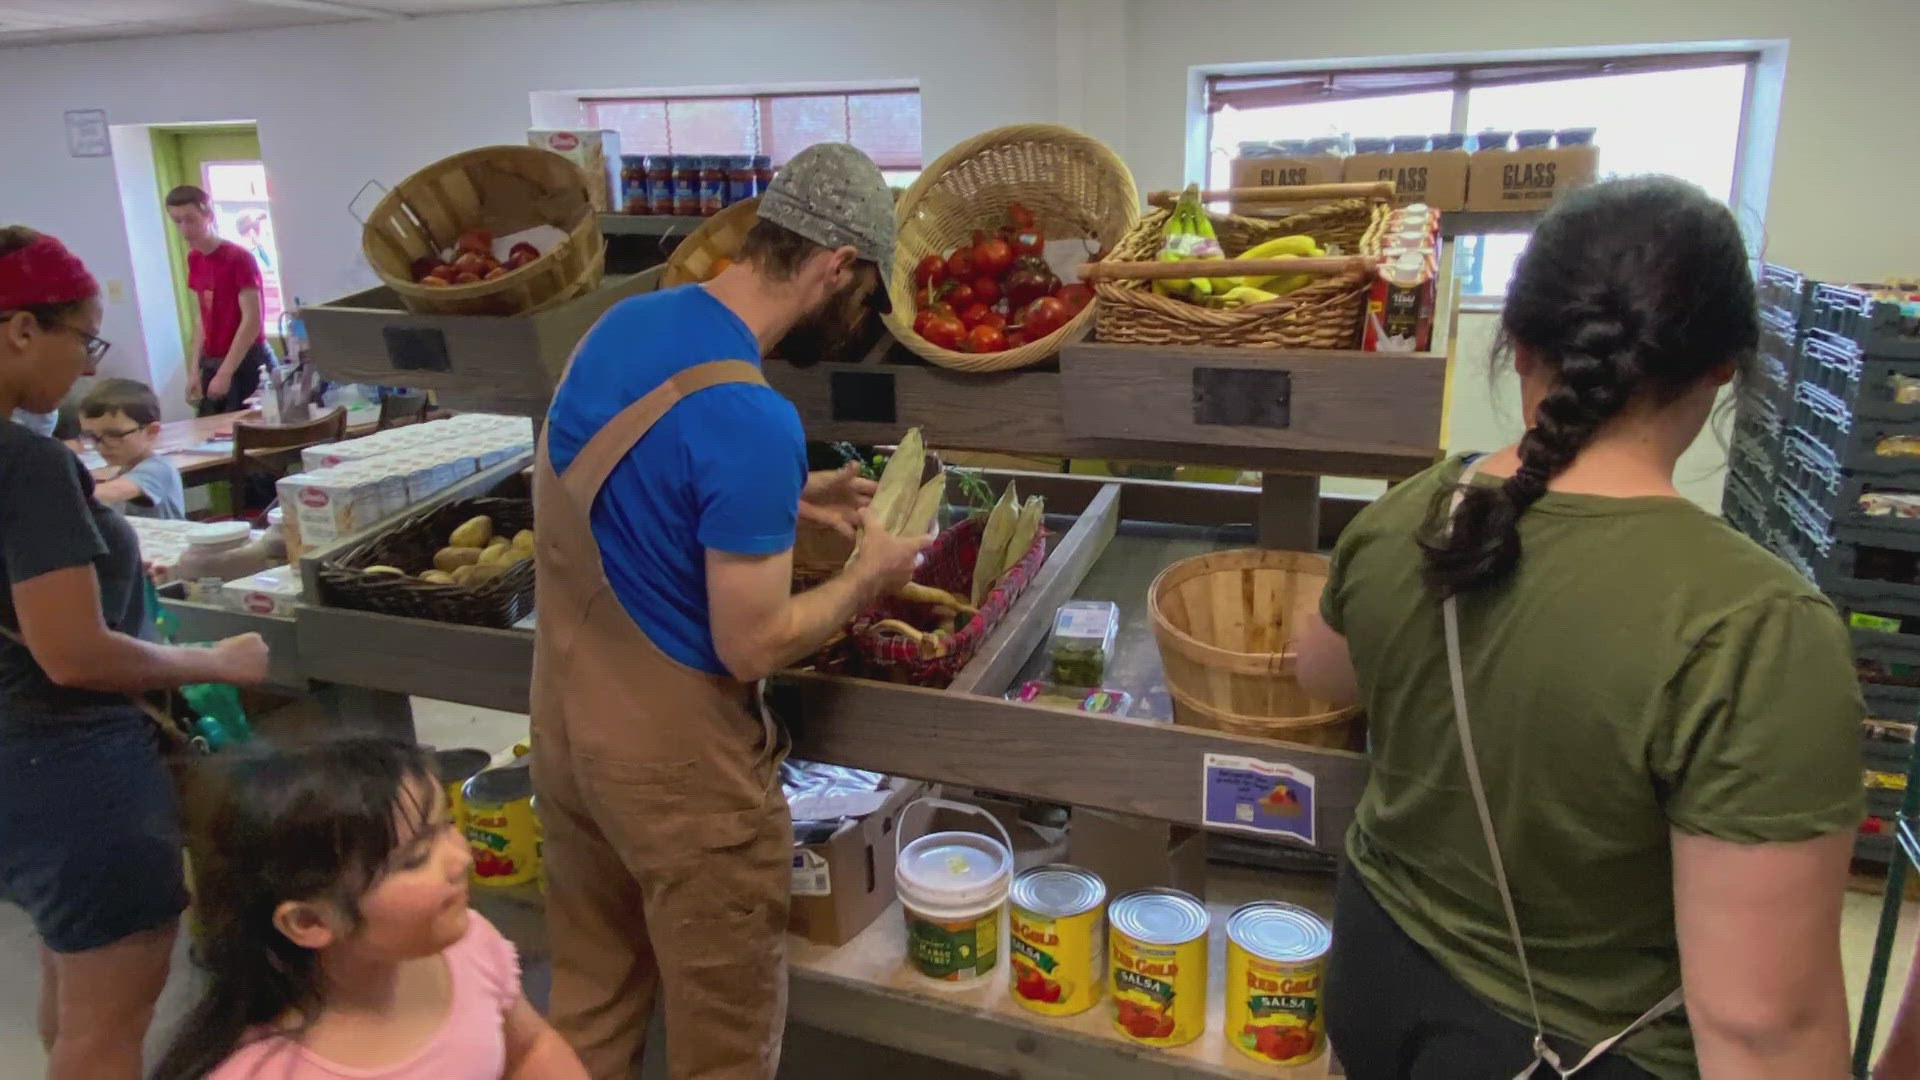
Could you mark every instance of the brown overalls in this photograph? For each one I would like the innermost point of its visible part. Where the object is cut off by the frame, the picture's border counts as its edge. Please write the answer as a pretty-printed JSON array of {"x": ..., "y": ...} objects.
[{"x": 668, "y": 843}]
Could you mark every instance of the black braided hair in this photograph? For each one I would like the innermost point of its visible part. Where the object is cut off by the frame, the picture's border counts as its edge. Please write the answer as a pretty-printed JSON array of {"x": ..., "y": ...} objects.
[{"x": 1634, "y": 287}]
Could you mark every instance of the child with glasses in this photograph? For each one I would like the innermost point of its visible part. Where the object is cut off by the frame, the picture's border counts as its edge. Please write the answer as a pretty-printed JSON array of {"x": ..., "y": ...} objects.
[{"x": 121, "y": 417}]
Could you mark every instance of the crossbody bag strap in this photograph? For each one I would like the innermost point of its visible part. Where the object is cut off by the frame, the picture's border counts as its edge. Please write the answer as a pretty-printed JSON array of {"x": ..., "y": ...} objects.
[
  {"x": 170, "y": 731},
  {"x": 1456, "y": 674}
]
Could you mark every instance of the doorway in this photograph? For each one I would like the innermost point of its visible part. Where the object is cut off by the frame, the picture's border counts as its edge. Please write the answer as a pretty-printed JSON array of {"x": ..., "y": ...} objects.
[{"x": 224, "y": 161}]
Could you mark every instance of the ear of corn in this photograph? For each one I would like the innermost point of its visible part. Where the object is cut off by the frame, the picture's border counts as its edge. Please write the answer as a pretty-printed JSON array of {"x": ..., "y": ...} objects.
[
  {"x": 987, "y": 566},
  {"x": 893, "y": 500},
  {"x": 926, "y": 507},
  {"x": 1026, "y": 526}
]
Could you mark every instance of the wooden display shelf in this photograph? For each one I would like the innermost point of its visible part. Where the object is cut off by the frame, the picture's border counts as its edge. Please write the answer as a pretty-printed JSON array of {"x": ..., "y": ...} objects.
[
  {"x": 866, "y": 989},
  {"x": 199, "y": 623},
  {"x": 649, "y": 224}
]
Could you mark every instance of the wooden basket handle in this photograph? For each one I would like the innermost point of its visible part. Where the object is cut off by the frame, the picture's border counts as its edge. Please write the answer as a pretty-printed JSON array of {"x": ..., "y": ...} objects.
[
  {"x": 1219, "y": 268},
  {"x": 1369, "y": 189}
]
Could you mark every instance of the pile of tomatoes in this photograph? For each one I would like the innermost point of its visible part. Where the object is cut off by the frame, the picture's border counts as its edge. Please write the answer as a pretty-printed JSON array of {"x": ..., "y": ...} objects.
[
  {"x": 472, "y": 260},
  {"x": 996, "y": 293},
  {"x": 1143, "y": 1021}
]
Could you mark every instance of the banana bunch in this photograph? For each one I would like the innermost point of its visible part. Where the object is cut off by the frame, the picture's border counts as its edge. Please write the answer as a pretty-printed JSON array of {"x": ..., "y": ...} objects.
[
  {"x": 1283, "y": 247},
  {"x": 1189, "y": 235}
]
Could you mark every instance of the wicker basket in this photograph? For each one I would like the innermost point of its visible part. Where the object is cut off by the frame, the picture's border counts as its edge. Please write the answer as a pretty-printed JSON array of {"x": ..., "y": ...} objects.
[
  {"x": 410, "y": 546},
  {"x": 1325, "y": 314},
  {"x": 504, "y": 189},
  {"x": 1075, "y": 186},
  {"x": 718, "y": 237},
  {"x": 885, "y": 655},
  {"x": 1225, "y": 623}
]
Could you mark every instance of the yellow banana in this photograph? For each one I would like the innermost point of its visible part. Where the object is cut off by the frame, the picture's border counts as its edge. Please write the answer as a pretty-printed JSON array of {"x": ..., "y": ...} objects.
[
  {"x": 1298, "y": 244},
  {"x": 1244, "y": 295}
]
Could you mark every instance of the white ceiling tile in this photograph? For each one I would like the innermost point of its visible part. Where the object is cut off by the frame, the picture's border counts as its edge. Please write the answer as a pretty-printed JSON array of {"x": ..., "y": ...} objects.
[{"x": 38, "y": 22}]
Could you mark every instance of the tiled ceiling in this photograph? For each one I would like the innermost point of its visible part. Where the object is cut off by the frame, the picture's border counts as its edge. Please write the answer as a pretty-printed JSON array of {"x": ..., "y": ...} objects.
[{"x": 41, "y": 22}]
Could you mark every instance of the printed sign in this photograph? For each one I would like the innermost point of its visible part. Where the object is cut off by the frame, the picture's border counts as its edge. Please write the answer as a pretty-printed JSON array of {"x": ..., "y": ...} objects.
[
  {"x": 811, "y": 875},
  {"x": 87, "y": 133},
  {"x": 1254, "y": 796}
]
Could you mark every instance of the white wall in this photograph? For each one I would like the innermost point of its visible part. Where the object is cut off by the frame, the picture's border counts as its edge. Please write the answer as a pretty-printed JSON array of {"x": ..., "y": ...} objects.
[{"x": 341, "y": 105}]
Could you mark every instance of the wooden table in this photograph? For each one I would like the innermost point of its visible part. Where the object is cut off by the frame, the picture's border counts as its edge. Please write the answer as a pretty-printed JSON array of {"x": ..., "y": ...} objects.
[{"x": 179, "y": 438}]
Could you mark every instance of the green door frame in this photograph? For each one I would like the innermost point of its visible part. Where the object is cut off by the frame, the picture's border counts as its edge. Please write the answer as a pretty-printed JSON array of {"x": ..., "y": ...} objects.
[{"x": 178, "y": 154}]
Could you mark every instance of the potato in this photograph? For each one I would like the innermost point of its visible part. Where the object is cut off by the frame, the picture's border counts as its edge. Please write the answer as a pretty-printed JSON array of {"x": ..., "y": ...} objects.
[
  {"x": 449, "y": 559},
  {"x": 481, "y": 573},
  {"x": 498, "y": 553},
  {"x": 462, "y": 576},
  {"x": 523, "y": 541},
  {"x": 473, "y": 534},
  {"x": 437, "y": 577}
]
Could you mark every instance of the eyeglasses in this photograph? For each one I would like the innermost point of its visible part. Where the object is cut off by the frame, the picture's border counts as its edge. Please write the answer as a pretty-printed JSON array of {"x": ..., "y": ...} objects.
[
  {"x": 96, "y": 346},
  {"x": 104, "y": 437}
]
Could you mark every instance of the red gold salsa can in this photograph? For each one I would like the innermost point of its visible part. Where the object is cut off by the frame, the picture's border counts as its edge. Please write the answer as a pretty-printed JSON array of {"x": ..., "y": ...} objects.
[{"x": 1276, "y": 963}]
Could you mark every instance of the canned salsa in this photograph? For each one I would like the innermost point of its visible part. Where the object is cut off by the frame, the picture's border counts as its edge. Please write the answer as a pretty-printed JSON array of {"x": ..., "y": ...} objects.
[
  {"x": 1158, "y": 948},
  {"x": 500, "y": 826},
  {"x": 1058, "y": 942},
  {"x": 1276, "y": 962}
]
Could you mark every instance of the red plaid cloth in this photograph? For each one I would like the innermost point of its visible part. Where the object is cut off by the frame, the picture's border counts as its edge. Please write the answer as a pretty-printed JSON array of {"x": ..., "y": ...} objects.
[{"x": 882, "y": 654}]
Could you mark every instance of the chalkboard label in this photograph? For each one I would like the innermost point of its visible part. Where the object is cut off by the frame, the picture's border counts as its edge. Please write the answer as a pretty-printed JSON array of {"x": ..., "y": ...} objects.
[
  {"x": 417, "y": 348},
  {"x": 862, "y": 397},
  {"x": 1242, "y": 397}
]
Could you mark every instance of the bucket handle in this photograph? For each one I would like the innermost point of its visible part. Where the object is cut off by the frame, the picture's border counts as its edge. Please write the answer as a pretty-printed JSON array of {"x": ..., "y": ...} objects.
[
  {"x": 931, "y": 804},
  {"x": 353, "y": 203}
]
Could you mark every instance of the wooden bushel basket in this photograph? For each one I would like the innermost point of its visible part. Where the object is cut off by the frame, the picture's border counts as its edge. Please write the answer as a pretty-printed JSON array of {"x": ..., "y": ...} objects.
[
  {"x": 504, "y": 189},
  {"x": 718, "y": 237},
  {"x": 1225, "y": 623}
]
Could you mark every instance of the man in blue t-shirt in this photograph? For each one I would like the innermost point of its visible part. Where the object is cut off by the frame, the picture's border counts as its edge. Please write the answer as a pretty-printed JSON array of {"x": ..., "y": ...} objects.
[{"x": 671, "y": 467}]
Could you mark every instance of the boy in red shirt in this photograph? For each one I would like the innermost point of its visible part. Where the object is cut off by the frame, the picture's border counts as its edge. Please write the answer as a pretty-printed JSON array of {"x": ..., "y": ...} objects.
[{"x": 229, "y": 343}]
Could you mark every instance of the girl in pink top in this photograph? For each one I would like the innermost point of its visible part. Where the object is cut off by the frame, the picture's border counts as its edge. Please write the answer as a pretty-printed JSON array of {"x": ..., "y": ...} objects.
[{"x": 333, "y": 897}]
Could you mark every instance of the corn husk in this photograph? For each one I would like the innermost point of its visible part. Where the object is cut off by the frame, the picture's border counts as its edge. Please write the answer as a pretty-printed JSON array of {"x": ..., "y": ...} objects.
[
  {"x": 926, "y": 507},
  {"x": 989, "y": 564},
  {"x": 1025, "y": 528},
  {"x": 894, "y": 499}
]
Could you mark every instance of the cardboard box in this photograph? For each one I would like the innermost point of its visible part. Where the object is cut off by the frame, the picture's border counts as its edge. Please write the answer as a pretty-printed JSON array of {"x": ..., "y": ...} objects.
[
  {"x": 1435, "y": 177},
  {"x": 269, "y": 592},
  {"x": 1138, "y": 853},
  {"x": 596, "y": 152},
  {"x": 1283, "y": 172},
  {"x": 843, "y": 883},
  {"x": 1528, "y": 179}
]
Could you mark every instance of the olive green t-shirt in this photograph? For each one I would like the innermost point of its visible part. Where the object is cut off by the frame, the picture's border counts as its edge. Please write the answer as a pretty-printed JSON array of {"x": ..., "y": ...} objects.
[{"x": 1646, "y": 668}]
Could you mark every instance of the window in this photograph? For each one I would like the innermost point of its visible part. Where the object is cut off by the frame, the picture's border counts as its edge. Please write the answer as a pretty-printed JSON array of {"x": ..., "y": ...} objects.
[
  {"x": 238, "y": 193},
  {"x": 1680, "y": 114},
  {"x": 885, "y": 124}
]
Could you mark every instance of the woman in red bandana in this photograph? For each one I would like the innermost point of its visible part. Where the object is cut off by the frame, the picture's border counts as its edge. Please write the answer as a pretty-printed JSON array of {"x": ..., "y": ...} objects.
[{"x": 89, "y": 831}]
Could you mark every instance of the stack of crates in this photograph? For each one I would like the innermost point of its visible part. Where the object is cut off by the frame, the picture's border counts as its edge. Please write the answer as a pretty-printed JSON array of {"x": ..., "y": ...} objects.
[
  {"x": 1762, "y": 408},
  {"x": 1846, "y": 506}
]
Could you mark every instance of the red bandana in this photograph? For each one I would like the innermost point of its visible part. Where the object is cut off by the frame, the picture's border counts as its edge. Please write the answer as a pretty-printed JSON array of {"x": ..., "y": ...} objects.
[{"x": 43, "y": 272}]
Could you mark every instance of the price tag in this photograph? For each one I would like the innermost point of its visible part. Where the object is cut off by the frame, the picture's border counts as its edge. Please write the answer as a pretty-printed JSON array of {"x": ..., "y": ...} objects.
[{"x": 1261, "y": 797}]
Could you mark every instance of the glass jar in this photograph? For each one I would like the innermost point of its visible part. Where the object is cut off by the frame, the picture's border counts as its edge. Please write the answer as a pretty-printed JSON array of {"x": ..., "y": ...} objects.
[
  {"x": 762, "y": 173},
  {"x": 713, "y": 185},
  {"x": 659, "y": 184},
  {"x": 633, "y": 183},
  {"x": 686, "y": 186},
  {"x": 739, "y": 179},
  {"x": 217, "y": 552}
]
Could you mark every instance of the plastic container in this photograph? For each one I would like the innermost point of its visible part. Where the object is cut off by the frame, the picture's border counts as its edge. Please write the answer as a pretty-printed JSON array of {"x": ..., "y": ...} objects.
[
  {"x": 1057, "y": 939},
  {"x": 1157, "y": 946},
  {"x": 1082, "y": 641},
  {"x": 1533, "y": 138},
  {"x": 1371, "y": 144},
  {"x": 1326, "y": 144},
  {"x": 1103, "y": 701},
  {"x": 1276, "y": 964},
  {"x": 1410, "y": 144},
  {"x": 1449, "y": 140},
  {"x": 218, "y": 552},
  {"x": 1492, "y": 139},
  {"x": 952, "y": 886},
  {"x": 1290, "y": 147},
  {"x": 498, "y": 807},
  {"x": 1574, "y": 136}
]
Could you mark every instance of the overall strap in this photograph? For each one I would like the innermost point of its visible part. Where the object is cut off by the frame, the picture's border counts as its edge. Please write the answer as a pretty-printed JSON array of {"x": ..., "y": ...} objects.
[
  {"x": 608, "y": 446},
  {"x": 1456, "y": 674}
]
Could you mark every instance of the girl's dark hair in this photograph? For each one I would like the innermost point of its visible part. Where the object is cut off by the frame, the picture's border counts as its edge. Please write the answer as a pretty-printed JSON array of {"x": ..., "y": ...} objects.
[
  {"x": 314, "y": 822},
  {"x": 12, "y": 239},
  {"x": 1632, "y": 289}
]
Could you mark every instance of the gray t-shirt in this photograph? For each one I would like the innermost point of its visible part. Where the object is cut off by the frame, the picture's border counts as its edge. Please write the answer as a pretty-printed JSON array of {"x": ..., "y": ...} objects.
[
  {"x": 49, "y": 520},
  {"x": 161, "y": 493}
]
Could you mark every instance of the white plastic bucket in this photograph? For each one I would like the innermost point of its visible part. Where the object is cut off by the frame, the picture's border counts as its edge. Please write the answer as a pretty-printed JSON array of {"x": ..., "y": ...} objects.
[{"x": 952, "y": 886}]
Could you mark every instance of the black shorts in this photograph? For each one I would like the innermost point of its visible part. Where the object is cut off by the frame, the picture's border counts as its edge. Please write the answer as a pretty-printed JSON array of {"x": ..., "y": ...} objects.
[
  {"x": 245, "y": 382},
  {"x": 1393, "y": 1013},
  {"x": 89, "y": 829}
]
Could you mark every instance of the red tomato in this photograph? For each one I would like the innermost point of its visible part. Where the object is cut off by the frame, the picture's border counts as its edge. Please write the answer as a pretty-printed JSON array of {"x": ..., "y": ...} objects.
[
  {"x": 992, "y": 257},
  {"x": 987, "y": 339},
  {"x": 1015, "y": 337},
  {"x": 986, "y": 290},
  {"x": 975, "y": 314},
  {"x": 1044, "y": 316},
  {"x": 960, "y": 264},
  {"x": 921, "y": 320},
  {"x": 1021, "y": 217},
  {"x": 1028, "y": 242},
  {"x": 944, "y": 331},
  {"x": 931, "y": 271},
  {"x": 960, "y": 297},
  {"x": 1076, "y": 296},
  {"x": 994, "y": 319}
]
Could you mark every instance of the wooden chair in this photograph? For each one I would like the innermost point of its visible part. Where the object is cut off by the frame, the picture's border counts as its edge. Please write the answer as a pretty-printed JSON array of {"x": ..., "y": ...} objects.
[
  {"x": 253, "y": 473},
  {"x": 407, "y": 408}
]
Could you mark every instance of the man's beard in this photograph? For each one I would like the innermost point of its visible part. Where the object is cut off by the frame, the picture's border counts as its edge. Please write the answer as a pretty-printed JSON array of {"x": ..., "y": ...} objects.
[{"x": 829, "y": 331}]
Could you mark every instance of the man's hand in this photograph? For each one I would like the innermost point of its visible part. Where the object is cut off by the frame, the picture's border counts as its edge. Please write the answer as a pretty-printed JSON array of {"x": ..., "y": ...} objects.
[
  {"x": 835, "y": 498},
  {"x": 885, "y": 562},
  {"x": 193, "y": 388},
  {"x": 218, "y": 385}
]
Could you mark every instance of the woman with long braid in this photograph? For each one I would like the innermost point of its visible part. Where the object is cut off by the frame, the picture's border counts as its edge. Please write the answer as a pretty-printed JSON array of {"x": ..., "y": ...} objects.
[{"x": 1615, "y": 743}]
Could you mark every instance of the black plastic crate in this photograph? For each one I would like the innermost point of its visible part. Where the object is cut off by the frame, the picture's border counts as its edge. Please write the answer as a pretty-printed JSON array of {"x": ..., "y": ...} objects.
[
  {"x": 1887, "y": 448},
  {"x": 1812, "y": 472},
  {"x": 1820, "y": 417},
  {"x": 1805, "y": 535},
  {"x": 1832, "y": 363},
  {"x": 1880, "y": 328},
  {"x": 1878, "y": 510},
  {"x": 1783, "y": 296},
  {"x": 1889, "y": 389},
  {"x": 1876, "y": 848},
  {"x": 1886, "y": 745},
  {"x": 1744, "y": 509},
  {"x": 1891, "y": 701}
]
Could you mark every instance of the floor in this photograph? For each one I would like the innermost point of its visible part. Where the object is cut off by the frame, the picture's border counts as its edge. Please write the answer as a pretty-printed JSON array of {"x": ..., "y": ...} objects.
[{"x": 810, "y": 1053}]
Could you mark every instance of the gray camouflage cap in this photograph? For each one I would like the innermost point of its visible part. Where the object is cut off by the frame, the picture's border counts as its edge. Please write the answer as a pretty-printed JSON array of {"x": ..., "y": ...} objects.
[{"x": 834, "y": 195}]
